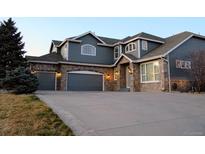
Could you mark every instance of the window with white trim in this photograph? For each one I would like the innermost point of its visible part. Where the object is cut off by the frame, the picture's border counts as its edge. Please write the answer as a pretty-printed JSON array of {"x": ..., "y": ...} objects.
[
  {"x": 116, "y": 52},
  {"x": 88, "y": 50},
  {"x": 183, "y": 64},
  {"x": 130, "y": 47},
  {"x": 150, "y": 72},
  {"x": 144, "y": 45},
  {"x": 116, "y": 74}
]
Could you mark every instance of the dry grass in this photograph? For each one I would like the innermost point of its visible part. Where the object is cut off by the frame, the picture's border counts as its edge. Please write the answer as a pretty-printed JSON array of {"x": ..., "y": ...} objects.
[{"x": 27, "y": 115}]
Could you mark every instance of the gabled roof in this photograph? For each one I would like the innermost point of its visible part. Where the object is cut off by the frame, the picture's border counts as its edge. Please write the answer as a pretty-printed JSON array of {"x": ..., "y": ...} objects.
[
  {"x": 143, "y": 35},
  {"x": 51, "y": 57},
  {"x": 108, "y": 40},
  {"x": 56, "y": 42},
  {"x": 130, "y": 56},
  {"x": 170, "y": 44},
  {"x": 91, "y": 33}
]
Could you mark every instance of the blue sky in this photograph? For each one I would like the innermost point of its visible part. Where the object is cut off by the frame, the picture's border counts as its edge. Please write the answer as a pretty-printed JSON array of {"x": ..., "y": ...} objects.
[{"x": 39, "y": 31}]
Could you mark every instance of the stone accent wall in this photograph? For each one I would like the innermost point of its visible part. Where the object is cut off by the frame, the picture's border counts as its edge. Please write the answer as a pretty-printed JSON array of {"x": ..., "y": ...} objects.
[
  {"x": 135, "y": 84},
  {"x": 43, "y": 67},
  {"x": 108, "y": 84},
  {"x": 135, "y": 77},
  {"x": 64, "y": 69},
  {"x": 182, "y": 85},
  {"x": 152, "y": 87},
  {"x": 121, "y": 78},
  {"x": 163, "y": 85}
]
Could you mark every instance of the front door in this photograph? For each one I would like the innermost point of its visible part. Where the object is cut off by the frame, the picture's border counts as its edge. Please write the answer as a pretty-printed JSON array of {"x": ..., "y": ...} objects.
[{"x": 127, "y": 77}]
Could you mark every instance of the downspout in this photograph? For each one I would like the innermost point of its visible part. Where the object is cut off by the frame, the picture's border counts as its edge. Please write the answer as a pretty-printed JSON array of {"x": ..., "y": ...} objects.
[{"x": 168, "y": 67}]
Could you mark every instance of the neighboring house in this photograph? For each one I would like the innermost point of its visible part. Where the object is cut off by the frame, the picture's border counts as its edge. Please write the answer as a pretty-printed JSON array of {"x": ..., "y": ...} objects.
[{"x": 142, "y": 62}]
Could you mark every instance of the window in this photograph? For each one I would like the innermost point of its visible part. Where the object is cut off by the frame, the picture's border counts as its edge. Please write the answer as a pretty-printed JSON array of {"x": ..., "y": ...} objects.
[
  {"x": 116, "y": 74},
  {"x": 183, "y": 64},
  {"x": 116, "y": 52},
  {"x": 88, "y": 50},
  {"x": 144, "y": 45},
  {"x": 150, "y": 72},
  {"x": 130, "y": 47}
]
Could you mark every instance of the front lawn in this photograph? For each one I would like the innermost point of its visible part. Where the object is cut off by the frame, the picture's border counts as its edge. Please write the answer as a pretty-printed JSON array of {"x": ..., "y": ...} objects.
[{"x": 27, "y": 115}]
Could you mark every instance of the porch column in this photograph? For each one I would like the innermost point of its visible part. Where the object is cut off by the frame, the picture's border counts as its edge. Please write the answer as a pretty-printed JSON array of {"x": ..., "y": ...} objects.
[{"x": 135, "y": 77}]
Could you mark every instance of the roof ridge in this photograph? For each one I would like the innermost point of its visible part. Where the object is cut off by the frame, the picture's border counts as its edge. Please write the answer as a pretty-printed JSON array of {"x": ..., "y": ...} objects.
[
  {"x": 177, "y": 34},
  {"x": 109, "y": 37}
]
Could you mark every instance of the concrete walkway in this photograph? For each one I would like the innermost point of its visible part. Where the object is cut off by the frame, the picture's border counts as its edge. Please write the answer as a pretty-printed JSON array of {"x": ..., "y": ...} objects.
[{"x": 124, "y": 113}]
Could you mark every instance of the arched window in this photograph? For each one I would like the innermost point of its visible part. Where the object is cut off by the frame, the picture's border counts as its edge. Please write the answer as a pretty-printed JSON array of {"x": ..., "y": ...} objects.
[
  {"x": 116, "y": 52},
  {"x": 88, "y": 50},
  {"x": 130, "y": 47}
]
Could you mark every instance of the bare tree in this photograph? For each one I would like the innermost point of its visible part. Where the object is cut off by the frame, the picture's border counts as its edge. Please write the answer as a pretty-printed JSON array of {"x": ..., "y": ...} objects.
[{"x": 198, "y": 69}]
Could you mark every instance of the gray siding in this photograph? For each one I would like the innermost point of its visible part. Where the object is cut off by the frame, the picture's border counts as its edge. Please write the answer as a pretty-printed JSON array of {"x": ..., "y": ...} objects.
[
  {"x": 183, "y": 52},
  {"x": 135, "y": 52},
  {"x": 104, "y": 55},
  {"x": 151, "y": 46}
]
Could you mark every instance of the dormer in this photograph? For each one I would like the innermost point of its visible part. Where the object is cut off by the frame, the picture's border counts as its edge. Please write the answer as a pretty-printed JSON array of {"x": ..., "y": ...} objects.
[
  {"x": 132, "y": 48},
  {"x": 54, "y": 46},
  {"x": 142, "y": 43}
]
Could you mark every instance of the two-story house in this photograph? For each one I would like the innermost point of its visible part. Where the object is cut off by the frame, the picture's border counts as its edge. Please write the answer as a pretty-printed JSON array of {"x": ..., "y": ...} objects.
[{"x": 142, "y": 62}]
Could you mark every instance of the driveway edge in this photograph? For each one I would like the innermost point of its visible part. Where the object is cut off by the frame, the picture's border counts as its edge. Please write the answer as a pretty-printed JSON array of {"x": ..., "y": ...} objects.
[{"x": 70, "y": 120}]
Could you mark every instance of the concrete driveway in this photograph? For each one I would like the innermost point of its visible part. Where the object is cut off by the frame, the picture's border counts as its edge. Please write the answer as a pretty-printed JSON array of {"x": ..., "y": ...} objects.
[{"x": 124, "y": 113}]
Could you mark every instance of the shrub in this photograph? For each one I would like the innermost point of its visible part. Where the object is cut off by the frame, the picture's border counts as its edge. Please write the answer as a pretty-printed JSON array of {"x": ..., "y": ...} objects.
[
  {"x": 20, "y": 81},
  {"x": 174, "y": 86}
]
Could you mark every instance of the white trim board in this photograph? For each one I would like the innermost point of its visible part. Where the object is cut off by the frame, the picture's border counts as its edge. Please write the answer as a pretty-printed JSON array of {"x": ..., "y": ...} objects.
[
  {"x": 85, "y": 72},
  {"x": 143, "y": 38},
  {"x": 42, "y": 62},
  {"x": 89, "y": 32},
  {"x": 106, "y": 45},
  {"x": 83, "y": 64},
  {"x": 120, "y": 58},
  {"x": 178, "y": 45},
  {"x": 69, "y": 40},
  {"x": 138, "y": 48}
]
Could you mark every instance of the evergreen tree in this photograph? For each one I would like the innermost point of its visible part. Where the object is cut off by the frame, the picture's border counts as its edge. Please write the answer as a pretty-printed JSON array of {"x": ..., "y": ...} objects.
[
  {"x": 11, "y": 47},
  {"x": 14, "y": 73}
]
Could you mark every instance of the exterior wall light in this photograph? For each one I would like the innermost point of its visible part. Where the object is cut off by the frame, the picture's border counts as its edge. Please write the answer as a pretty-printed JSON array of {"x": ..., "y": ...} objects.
[
  {"x": 130, "y": 70},
  {"x": 33, "y": 72},
  {"x": 58, "y": 74},
  {"x": 107, "y": 77}
]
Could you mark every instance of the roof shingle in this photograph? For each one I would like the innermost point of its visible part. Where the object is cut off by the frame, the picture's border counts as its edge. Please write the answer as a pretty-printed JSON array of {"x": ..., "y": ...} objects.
[
  {"x": 56, "y": 42},
  {"x": 170, "y": 42}
]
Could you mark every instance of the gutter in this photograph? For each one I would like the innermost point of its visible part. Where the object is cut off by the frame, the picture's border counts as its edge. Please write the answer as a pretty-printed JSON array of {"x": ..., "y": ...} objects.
[{"x": 168, "y": 66}]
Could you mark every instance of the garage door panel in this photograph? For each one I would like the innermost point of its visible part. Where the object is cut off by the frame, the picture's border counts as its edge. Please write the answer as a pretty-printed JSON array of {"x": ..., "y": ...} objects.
[
  {"x": 85, "y": 82},
  {"x": 46, "y": 81}
]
